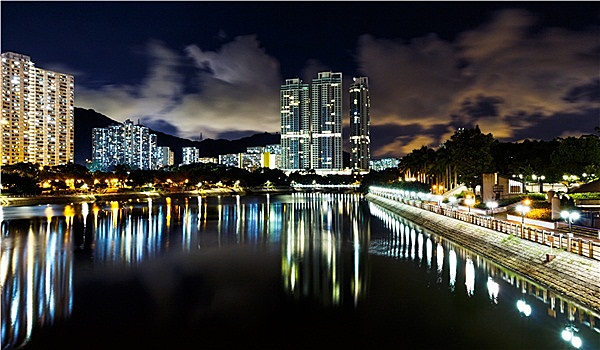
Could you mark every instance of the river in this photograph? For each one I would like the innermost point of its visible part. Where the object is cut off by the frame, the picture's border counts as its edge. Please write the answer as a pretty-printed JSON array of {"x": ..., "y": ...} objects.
[{"x": 277, "y": 271}]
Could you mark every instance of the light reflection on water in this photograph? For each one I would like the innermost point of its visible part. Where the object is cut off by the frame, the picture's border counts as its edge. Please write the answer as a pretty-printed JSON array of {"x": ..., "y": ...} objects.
[
  {"x": 398, "y": 242},
  {"x": 324, "y": 242}
]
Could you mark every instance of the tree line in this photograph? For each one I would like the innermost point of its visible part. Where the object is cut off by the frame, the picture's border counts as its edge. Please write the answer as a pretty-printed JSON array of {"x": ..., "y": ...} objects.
[
  {"x": 469, "y": 153},
  {"x": 460, "y": 160}
]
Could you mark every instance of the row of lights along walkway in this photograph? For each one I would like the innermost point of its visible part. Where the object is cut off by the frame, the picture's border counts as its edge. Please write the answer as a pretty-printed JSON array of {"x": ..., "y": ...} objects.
[{"x": 582, "y": 246}]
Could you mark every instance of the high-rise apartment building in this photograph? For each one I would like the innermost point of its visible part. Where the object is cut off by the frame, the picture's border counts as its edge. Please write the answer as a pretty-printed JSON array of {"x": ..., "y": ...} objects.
[
  {"x": 326, "y": 122},
  {"x": 124, "y": 144},
  {"x": 190, "y": 155},
  {"x": 164, "y": 157},
  {"x": 295, "y": 125},
  {"x": 37, "y": 113},
  {"x": 360, "y": 141}
]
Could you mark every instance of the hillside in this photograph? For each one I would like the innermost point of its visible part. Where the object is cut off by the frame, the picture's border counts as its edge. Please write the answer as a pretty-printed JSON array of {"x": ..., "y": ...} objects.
[{"x": 87, "y": 119}]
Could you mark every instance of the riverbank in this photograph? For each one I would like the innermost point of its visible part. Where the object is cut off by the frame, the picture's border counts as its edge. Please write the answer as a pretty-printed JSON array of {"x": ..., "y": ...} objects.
[{"x": 569, "y": 274}]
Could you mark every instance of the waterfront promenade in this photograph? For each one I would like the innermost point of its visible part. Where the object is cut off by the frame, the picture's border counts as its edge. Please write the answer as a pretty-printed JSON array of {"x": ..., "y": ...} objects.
[{"x": 570, "y": 274}]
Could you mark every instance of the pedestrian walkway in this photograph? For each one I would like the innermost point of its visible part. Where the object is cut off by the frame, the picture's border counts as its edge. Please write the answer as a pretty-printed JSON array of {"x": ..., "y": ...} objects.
[
  {"x": 573, "y": 275},
  {"x": 576, "y": 231},
  {"x": 581, "y": 242}
]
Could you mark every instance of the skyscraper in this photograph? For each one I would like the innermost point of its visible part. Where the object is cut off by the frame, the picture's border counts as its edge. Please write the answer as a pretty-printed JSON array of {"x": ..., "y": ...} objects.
[
  {"x": 360, "y": 141},
  {"x": 37, "y": 113},
  {"x": 124, "y": 144},
  {"x": 295, "y": 125},
  {"x": 326, "y": 122}
]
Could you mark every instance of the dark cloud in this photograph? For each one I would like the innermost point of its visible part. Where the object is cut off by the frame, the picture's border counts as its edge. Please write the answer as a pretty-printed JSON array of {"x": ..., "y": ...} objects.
[
  {"x": 483, "y": 106},
  {"x": 510, "y": 76},
  {"x": 160, "y": 125},
  {"x": 235, "y": 88},
  {"x": 558, "y": 125},
  {"x": 588, "y": 92}
]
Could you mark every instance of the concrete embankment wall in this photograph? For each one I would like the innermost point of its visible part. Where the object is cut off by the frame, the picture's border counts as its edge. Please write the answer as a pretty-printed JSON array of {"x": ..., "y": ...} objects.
[{"x": 574, "y": 276}]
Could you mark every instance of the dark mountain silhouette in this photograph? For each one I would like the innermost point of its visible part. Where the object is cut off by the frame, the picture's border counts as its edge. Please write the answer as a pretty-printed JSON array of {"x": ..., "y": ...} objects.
[{"x": 87, "y": 119}]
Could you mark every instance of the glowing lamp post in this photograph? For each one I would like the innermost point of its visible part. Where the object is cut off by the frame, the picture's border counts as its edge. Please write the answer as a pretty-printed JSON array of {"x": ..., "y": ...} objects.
[
  {"x": 469, "y": 201},
  {"x": 452, "y": 201},
  {"x": 523, "y": 209},
  {"x": 569, "y": 334},
  {"x": 570, "y": 216},
  {"x": 492, "y": 206}
]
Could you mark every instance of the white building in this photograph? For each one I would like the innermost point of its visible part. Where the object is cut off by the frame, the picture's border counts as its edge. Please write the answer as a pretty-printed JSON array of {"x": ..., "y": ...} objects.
[
  {"x": 124, "y": 144},
  {"x": 190, "y": 155},
  {"x": 164, "y": 157}
]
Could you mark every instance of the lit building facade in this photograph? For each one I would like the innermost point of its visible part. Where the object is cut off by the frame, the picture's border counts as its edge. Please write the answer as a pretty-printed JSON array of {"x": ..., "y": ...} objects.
[
  {"x": 295, "y": 125},
  {"x": 164, "y": 157},
  {"x": 190, "y": 155},
  {"x": 384, "y": 163},
  {"x": 360, "y": 141},
  {"x": 271, "y": 157},
  {"x": 37, "y": 124},
  {"x": 232, "y": 159},
  {"x": 124, "y": 144},
  {"x": 326, "y": 123}
]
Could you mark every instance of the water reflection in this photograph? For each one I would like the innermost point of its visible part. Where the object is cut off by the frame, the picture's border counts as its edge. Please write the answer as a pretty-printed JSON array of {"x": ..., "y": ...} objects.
[
  {"x": 39, "y": 245},
  {"x": 501, "y": 285},
  {"x": 36, "y": 272},
  {"x": 316, "y": 229},
  {"x": 324, "y": 245}
]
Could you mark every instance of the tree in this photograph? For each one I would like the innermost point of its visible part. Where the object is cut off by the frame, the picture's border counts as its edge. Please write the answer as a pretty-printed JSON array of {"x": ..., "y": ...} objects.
[
  {"x": 577, "y": 155},
  {"x": 470, "y": 152},
  {"x": 418, "y": 163}
]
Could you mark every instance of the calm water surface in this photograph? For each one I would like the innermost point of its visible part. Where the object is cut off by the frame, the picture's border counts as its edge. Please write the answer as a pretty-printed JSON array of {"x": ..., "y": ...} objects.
[{"x": 278, "y": 271}]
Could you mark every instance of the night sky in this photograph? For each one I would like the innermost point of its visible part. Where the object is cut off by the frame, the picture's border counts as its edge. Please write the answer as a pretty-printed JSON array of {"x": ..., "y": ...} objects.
[{"x": 519, "y": 70}]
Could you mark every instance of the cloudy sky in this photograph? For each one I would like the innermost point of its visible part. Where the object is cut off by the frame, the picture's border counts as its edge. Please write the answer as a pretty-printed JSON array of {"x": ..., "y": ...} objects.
[{"x": 519, "y": 70}]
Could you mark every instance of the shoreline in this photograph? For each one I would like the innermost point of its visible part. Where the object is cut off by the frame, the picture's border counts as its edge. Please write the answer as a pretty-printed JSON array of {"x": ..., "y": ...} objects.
[
  {"x": 574, "y": 276},
  {"x": 8, "y": 201}
]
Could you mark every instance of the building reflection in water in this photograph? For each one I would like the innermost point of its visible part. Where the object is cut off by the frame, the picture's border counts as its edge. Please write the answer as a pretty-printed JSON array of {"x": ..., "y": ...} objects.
[
  {"x": 324, "y": 248},
  {"x": 324, "y": 241},
  {"x": 496, "y": 277},
  {"x": 36, "y": 273}
]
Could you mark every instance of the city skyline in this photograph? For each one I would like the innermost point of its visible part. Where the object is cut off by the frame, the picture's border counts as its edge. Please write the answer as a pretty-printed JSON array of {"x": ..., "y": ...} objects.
[{"x": 518, "y": 70}]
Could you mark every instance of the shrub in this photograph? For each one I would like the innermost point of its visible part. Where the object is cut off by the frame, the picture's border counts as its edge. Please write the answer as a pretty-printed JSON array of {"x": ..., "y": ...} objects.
[
  {"x": 540, "y": 214},
  {"x": 585, "y": 195}
]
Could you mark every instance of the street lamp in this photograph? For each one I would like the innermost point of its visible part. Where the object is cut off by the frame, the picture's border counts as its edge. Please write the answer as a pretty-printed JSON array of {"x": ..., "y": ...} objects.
[
  {"x": 452, "y": 201},
  {"x": 570, "y": 216},
  {"x": 523, "y": 209},
  {"x": 569, "y": 334},
  {"x": 469, "y": 201},
  {"x": 492, "y": 206},
  {"x": 540, "y": 180}
]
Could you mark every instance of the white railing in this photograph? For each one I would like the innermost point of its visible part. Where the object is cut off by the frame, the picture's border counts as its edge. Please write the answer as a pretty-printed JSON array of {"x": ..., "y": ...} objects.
[{"x": 581, "y": 246}]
